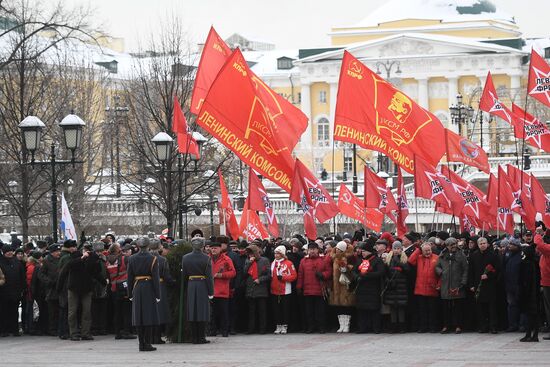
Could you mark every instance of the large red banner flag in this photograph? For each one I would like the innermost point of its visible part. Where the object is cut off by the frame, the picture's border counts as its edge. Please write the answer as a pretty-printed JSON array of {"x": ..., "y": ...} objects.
[
  {"x": 235, "y": 115},
  {"x": 506, "y": 203},
  {"x": 528, "y": 127},
  {"x": 540, "y": 200},
  {"x": 490, "y": 103},
  {"x": 492, "y": 199},
  {"x": 214, "y": 55},
  {"x": 402, "y": 206},
  {"x": 251, "y": 226},
  {"x": 378, "y": 195},
  {"x": 475, "y": 205},
  {"x": 520, "y": 182},
  {"x": 538, "y": 85},
  {"x": 317, "y": 196},
  {"x": 460, "y": 149},
  {"x": 351, "y": 206},
  {"x": 300, "y": 195},
  {"x": 289, "y": 122},
  {"x": 227, "y": 207},
  {"x": 259, "y": 200},
  {"x": 431, "y": 184},
  {"x": 374, "y": 114},
  {"x": 186, "y": 143}
]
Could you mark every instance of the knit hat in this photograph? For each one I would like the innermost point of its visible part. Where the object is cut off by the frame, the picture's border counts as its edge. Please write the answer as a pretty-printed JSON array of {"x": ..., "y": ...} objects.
[
  {"x": 387, "y": 236},
  {"x": 6, "y": 248},
  {"x": 342, "y": 246},
  {"x": 396, "y": 245},
  {"x": 36, "y": 254},
  {"x": 280, "y": 249},
  {"x": 513, "y": 241},
  {"x": 313, "y": 245}
]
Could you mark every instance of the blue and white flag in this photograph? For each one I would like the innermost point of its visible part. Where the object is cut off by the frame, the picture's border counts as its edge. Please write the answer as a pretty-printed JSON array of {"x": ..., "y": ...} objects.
[{"x": 67, "y": 225}]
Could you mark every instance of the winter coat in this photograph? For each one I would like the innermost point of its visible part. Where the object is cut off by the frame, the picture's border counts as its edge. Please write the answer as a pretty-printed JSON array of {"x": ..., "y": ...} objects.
[
  {"x": 369, "y": 283},
  {"x": 452, "y": 268},
  {"x": 427, "y": 281},
  {"x": 544, "y": 262},
  {"x": 307, "y": 279},
  {"x": 196, "y": 264},
  {"x": 48, "y": 275},
  {"x": 101, "y": 289},
  {"x": 342, "y": 295},
  {"x": 14, "y": 274},
  {"x": 144, "y": 292},
  {"x": 238, "y": 264},
  {"x": 286, "y": 270},
  {"x": 529, "y": 282},
  {"x": 397, "y": 270},
  {"x": 165, "y": 280},
  {"x": 79, "y": 274},
  {"x": 224, "y": 266},
  {"x": 511, "y": 270},
  {"x": 479, "y": 263},
  {"x": 261, "y": 290}
]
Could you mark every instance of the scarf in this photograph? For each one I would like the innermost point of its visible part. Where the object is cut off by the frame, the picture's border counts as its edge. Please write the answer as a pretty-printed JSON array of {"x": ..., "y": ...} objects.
[
  {"x": 253, "y": 270},
  {"x": 364, "y": 267}
]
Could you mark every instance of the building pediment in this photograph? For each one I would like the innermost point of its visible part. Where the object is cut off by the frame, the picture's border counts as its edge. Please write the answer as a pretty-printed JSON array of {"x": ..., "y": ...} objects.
[{"x": 414, "y": 45}]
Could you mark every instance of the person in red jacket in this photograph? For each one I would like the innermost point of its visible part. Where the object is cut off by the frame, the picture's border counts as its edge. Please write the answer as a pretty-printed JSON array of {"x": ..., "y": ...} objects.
[
  {"x": 312, "y": 275},
  {"x": 222, "y": 272},
  {"x": 426, "y": 286},
  {"x": 543, "y": 249},
  {"x": 283, "y": 274}
]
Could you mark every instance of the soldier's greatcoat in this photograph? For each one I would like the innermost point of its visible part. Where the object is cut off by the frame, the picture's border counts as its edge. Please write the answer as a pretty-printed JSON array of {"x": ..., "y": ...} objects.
[
  {"x": 197, "y": 275},
  {"x": 144, "y": 288}
]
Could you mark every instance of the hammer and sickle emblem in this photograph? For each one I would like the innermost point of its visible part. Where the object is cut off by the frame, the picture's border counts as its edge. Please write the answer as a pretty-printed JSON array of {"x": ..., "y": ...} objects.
[{"x": 346, "y": 197}]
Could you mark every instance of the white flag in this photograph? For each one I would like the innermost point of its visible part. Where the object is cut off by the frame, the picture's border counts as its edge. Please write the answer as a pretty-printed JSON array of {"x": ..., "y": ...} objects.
[{"x": 67, "y": 225}]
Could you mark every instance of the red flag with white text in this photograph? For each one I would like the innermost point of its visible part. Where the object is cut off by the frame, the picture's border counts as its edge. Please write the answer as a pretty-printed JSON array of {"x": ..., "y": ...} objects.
[
  {"x": 377, "y": 194},
  {"x": 186, "y": 143},
  {"x": 251, "y": 226},
  {"x": 351, "y": 206},
  {"x": 528, "y": 127},
  {"x": 538, "y": 85},
  {"x": 300, "y": 196},
  {"x": 506, "y": 203},
  {"x": 460, "y": 149},
  {"x": 540, "y": 200},
  {"x": 227, "y": 207},
  {"x": 402, "y": 206},
  {"x": 521, "y": 188},
  {"x": 259, "y": 200},
  {"x": 490, "y": 103}
]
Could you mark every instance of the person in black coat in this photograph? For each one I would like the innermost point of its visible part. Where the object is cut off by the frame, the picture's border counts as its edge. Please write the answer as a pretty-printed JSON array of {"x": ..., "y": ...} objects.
[
  {"x": 196, "y": 270},
  {"x": 483, "y": 272},
  {"x": 530, "y": 295},
  {"x": 144, "y": 292},
  {"x": 165, "y": 282},
  {"x": 511, "y": 274},
  {"x": 369, "y": 272},
  {"x": 11, "y": 292},
  {"x": 395, "y": 292}
]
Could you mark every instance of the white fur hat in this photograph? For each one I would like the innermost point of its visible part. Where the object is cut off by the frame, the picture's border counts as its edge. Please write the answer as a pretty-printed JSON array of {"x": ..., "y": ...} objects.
[
  {"x": 280, "y": 249},
  {"x": 342, "y": 246}
]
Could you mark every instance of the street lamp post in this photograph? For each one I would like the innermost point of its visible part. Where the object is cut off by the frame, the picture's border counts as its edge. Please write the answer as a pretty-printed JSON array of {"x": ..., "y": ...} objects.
[
  {"x": 31, "y": 128},
  {"x": 461, "y": 114},
  {"x": 12, "y": 186}
]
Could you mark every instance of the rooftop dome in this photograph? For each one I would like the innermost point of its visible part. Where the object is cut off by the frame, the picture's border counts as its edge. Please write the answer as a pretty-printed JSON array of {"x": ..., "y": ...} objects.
[{"x": 442, "y": 10}]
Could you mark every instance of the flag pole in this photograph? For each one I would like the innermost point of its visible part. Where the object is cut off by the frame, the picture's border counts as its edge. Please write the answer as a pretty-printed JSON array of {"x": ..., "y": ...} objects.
[
  {"x": 416, "y": 213},
  {"x": 523, "y": 144},
  {"x": 332, "y": 184}
]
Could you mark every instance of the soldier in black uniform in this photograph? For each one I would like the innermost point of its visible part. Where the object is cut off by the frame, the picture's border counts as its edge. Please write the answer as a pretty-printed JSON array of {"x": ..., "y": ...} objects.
[
  {"x": 197, "y": 274},
  {"x": 144, "y": 292},
  {"x": 165, "y": 282}
]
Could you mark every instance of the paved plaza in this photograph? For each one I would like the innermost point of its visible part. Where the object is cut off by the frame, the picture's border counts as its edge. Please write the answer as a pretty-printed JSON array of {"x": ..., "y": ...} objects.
[{"x": 332, "y": 350}]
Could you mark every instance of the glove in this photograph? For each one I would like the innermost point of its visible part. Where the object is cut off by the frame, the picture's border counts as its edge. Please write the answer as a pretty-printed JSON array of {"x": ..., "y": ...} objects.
[
  {"x": 158, "y": 300},
  {"x": 280, "y": 277},
  {"x": 210, "y": 297},
  {"x": 343, "y": 269},
  {"x": 319, "y": 275}
]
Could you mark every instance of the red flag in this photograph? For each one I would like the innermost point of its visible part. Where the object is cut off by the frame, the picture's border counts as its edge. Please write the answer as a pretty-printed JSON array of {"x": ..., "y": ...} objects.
[
  {"x": 214, "y": 54},
  {"x": 475, "y": 205},
  {"x": 492, "y": 199},
  {"x": 540, "y": 199},
  {"x": 506, "y": 200},
  {"x": 354, "y": 208},
  {"x": 186, "y": 143},
  {"x": 258, "y": 200},
  {"x": 377, "y": 194},
  {"x": 227, "y": 207},
  {"x": 374, "y": 114},
  {"x": 431, "y": 184},
  {"x": 538, "y": 86},
  {"x": 317, "y": 196},
  {"x": 466, "y": 224},
  {"x": 289, "y": 122},
  {"x": 251, "y": 226},
  {"x": 235, "y": 115},
  {"x": 490, "y": 103},
  {"x": 299, "y": 195},
  {"x": 460, "y": 149},
  {"x": 528, "y": 127},
  {"x": 521, "y": 188},
  {"x": 402, "y": 206}
]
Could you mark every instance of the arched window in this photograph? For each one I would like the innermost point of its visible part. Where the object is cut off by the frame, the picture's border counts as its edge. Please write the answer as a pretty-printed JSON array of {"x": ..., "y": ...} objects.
[{"x": 323, "y": 131}]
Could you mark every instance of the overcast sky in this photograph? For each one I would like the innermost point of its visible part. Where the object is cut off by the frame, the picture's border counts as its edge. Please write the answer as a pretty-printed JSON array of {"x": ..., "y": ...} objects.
[{"x": 287, "y": 23}]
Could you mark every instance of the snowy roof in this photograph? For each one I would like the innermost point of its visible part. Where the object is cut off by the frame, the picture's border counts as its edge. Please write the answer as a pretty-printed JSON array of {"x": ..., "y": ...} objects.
[
  {"x": 538, "y": 44},
  {"x": 443, "y": 10},
  {"x": 265, "y": 62},
  {"x": 463, "y": 42}
]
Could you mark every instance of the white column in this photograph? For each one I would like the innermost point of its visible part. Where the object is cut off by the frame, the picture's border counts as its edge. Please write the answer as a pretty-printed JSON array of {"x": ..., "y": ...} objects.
[
  {"x": 423, "y": 99},
  {"x": 305, "y": 105},
  {"x": 333, "y": 93},
  {"x": 515, "y": 84},
  {"x": 453, "y": 91}
]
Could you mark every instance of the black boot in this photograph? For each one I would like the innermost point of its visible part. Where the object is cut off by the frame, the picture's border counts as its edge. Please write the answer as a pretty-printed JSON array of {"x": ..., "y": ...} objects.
[
  {"x": 141, "y": 337},
  {"x": 157, "y": 336},
  {"x": 201, "y": 339},
  {"x": 147, "y": 339},
  {"x": 527, "y": 337}
]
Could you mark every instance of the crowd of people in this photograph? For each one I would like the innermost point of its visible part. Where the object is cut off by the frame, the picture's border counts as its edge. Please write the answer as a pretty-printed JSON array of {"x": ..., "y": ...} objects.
[{"x": 438, "y": 282}]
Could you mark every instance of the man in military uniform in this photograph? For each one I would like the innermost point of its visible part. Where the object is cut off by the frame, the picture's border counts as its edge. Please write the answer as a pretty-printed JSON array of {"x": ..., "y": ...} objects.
[
  {"x": 144, "y": 292},
  {"x": 197, "y": 274},
  {"x": 165, "y": 281}
]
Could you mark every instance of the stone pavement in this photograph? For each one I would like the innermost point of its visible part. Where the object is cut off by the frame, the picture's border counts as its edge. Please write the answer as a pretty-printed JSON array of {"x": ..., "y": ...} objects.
[{"x": 289, "y": 350}]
